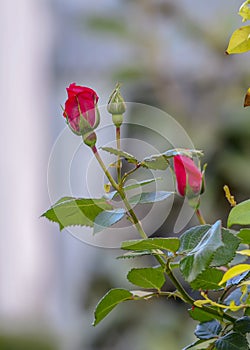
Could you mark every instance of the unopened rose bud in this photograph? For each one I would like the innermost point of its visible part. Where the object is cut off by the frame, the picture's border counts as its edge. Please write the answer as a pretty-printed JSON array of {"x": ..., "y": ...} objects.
[
  {"x": 81, "y": 109},
  {"x": 116, "y": 106},
  {"x": 188, "y": 176}
]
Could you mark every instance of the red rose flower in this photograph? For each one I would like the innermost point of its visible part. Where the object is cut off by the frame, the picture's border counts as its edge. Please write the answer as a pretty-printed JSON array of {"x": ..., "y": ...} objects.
[
  {"x": 81, "y": 109},
  {"x": 188, "y": 176}
]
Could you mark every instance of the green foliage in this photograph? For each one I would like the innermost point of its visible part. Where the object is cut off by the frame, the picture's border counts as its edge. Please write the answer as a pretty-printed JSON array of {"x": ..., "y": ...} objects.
[
  {"x": 70, "y": 211},
  {"x": 108, "y": 218},
  {"x": 200, "y": 315},
  {"x": 129, "y": 157},
  {"x": 147, "y": 277},
  {"x": 232, "y": 341},
  {"x": 150, "y": 197},
  {"x": 240, "y": 214},
  {"x": 242, "y": 325},
  {"x": 208, "y": 280},
  {"x": 155, "y": 162},
  {"x": 199, "y": 258},
  {"x": 244, "y": 235},
  {"x": 171, "y": 244},
  {"x": 109, "y": 302}
]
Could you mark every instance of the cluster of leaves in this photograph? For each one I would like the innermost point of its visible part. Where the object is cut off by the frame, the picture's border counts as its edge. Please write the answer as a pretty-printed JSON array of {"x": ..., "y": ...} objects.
[
  {"x": 209, "y": 258},
  {"x": 101, "y": 213},
  {"x": 202, "y": 254},
  {"x": 240, "y": 39}
]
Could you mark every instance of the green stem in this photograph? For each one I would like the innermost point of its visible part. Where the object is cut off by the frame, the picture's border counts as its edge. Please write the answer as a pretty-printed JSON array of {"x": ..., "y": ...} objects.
[
  {"x": 200, "y": 217},
  {"x": 121, "y": 192},
  {"x": 130, "y": 172},
  {"x": 119, "y": 163}
]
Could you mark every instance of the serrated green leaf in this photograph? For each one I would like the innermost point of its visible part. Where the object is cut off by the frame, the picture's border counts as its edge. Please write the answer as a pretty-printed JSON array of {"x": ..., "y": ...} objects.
[
  {"x": 137, "y": 254},
  {"x": 199, "y": 258},
  {"x": 234, "y": 271},
  {"x": 70, "y": 211},
  {"x": 108, "y": 218},
  {"x": 109, "y": 302},
  {"x": 208, "y": 330},
  {"x": 239, "y": 41},
  {"x": 150, "y": 197},
  {"x": 192, "y": 237},
  {"x": 171, "y": 244},
  {"x": 208, "y": 280},
  {"x": 147, "y": 277},
  {"x": 200, "y": 315},
  {"x": 129, "y": 157},
  {"x": 225, "y": 254},
  {"x": 242, "y": 325},
  {"x": 155, "y": 162},
  {"x": 244, "y": 235},
  {"x": 232, "y": 341},
  {"x": 240, "y": 214},
  {"x": 183, "y": 152}
]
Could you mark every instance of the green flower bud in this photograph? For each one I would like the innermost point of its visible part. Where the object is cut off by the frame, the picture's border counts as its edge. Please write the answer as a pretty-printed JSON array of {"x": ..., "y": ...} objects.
[
  {"x": 89, "y": 139},
  {"x": 116, "y": 105}
]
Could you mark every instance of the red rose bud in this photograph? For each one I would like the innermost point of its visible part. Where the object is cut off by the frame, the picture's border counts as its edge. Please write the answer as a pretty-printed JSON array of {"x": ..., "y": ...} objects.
[
  {"x": 188, "y": 176},
  {"x": 116, "y": 106},
  {"x": 81, "y": 109}
]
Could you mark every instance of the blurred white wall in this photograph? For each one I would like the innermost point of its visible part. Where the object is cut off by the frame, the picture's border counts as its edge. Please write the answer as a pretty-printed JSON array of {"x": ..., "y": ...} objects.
[{"x": 25, "y": 253}]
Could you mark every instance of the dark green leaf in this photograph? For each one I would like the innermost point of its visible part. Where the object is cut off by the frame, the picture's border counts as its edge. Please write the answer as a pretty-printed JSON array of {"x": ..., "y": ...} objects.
[
  {"x": 197, "y": 342},
  {"x": 150, "y": 197},
  {"x": 129, "y": 157},
  {"x": 208, "y": 330},
  {"x": 171, "y": 244},
  {"x": 226, "y": 253},
  {"x": 200, "y": 315},
  {"x": 244, "y": 235},
  {"x": 109, "y": 301},
  {"x": 147, "y": 277},
  {"x": 240, "y": 214},
  {"x": 242, "y": 325},
  {"x": 208, "y": 280},
  {"x": 232, "y": 341},
  {"x": 199, "y": 258},
  {"x": 192, "y": 237},
  {"x": 76, "y": 211},
  {"x": 107, "y": 218},
  {"x": 155, "y": 162}
]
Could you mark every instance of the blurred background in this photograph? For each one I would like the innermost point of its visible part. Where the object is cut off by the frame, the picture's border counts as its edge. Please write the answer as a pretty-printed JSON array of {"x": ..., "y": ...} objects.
[{"x": 167, "y": 54}]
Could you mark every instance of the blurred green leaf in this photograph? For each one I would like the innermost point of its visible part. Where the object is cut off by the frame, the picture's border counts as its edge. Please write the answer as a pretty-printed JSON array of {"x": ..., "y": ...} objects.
[
  {"x": 155, "y": 162},
  {"x": 240, "y": 214},
  {"x": 200, "y": 315},
  {"x": 108, "y": 25},
  {"x": 147, "y": 277},
  {"x": 109, "y": 302},
  {"x": 242, "y": 325},
  {"x": 244, "y": 235}
]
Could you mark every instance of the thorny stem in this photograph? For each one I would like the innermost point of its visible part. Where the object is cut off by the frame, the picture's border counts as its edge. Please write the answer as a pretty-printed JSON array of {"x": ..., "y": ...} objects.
[{"x": 165, "y": 265}]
